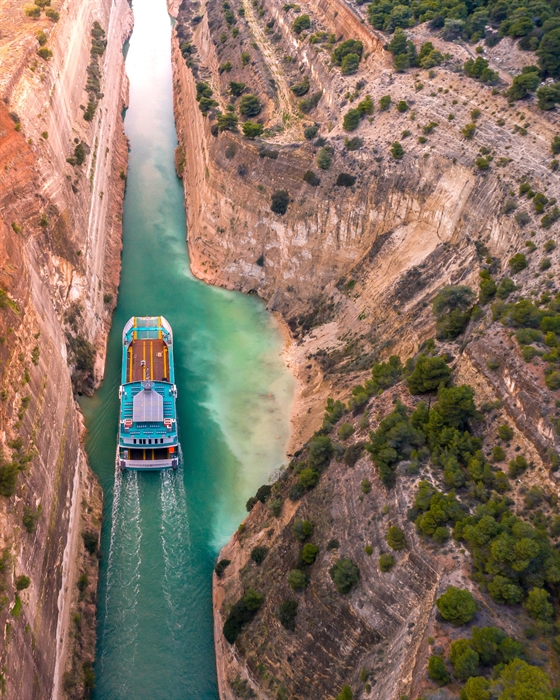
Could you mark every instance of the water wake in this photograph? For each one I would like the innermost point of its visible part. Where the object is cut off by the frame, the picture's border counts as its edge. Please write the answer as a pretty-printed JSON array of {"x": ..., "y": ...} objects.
[
  {"x": 120, "y": 623},
  {"x": 176, "y": 545}
]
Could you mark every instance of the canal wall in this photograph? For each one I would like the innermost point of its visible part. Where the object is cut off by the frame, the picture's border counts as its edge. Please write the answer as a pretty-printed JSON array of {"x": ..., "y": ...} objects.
[
  {"x": 61, "y": 193},
  {"x": 350, "y": 240}
]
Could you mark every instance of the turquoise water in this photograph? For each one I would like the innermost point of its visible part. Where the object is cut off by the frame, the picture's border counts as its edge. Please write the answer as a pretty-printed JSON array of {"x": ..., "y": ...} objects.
[{"x": 162, "y": 531}]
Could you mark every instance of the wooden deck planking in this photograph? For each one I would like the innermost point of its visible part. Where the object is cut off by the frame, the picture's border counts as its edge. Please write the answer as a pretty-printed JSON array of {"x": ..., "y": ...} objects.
[{"x": 154, "y": 353}]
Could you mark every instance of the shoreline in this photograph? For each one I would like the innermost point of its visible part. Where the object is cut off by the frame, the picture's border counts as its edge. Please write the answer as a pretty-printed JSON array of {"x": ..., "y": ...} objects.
[{"x": 307, "y": 405}]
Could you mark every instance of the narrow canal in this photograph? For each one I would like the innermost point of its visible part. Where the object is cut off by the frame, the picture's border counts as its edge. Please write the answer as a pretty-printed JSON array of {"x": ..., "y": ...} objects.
[{"x": 162, "y": 531}]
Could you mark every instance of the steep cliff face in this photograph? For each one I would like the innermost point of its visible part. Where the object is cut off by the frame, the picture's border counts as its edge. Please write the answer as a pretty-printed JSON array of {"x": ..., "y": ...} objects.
[
  {"x": 60, "y": 236},
  {"x": 365, "y": 257},
  {"x": 348, "y": 225}
]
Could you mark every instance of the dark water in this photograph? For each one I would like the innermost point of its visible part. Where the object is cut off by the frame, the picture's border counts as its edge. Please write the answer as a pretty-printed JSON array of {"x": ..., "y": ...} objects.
[{"x": 162, "y": 531}]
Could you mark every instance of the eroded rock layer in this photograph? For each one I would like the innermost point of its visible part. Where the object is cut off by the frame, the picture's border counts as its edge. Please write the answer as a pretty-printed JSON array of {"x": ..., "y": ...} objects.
[
  {"x": 347, "y": 195},
  {"x": 61, "y": 191}
]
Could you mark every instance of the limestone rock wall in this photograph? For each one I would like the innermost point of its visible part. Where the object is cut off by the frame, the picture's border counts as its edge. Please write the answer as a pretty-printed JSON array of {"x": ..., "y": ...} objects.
[{"x": 60, "y": 241}]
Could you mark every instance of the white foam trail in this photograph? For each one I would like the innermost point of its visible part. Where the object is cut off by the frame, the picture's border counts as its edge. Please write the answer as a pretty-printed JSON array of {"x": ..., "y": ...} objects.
[
  {"x": 120, "y": 623},
  {"x": 176, "y": 545}
]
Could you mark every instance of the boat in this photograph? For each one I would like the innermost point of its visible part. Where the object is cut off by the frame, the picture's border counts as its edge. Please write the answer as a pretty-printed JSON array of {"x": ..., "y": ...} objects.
[{"x": 148, "y": 436}]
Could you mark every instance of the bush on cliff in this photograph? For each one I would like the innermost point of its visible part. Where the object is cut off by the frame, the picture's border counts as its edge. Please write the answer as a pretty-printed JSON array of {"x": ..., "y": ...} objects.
[
  {"x": 250, "y": 106},
  {"x": 457, "y": 605},
  {"x": 345, "y": 575},
  {"x": 392, "y": 442},
  {"x": 429, "y": 374},
  {"x": 280, "y": 201},
  {"x": 452, "y": 309},
  {"x": 287, "y": 614},
  {"x": 241, "y": 614}
]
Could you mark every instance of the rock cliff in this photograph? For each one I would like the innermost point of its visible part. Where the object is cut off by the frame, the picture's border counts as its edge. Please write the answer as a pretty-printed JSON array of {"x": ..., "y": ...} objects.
[
  {"x": 349, "y": 201},
  {"x": 61, "y": 190}
]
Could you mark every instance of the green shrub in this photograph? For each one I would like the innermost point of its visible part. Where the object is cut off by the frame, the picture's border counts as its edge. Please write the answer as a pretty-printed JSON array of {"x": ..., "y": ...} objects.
[
  {"x": 345, "y": 180},
  {"x": 309, "y": 553},
  {"x": 451, "y": 307},
  {"x": 517, "y": 466},
  {"x": 385, "y": 103},
  {"x": 466, "y": 663},
  {"x": 345, "y": 694},
  {"x": 221, "y": 566},
  {"x": 351, "y": 47},
  {"x": 301, "y": 23},
  {"x": 44, "y": 53},
  {"x": 30, "y": 518},
  {"x": 437, "y": 671},
  {"x": 297, "y": 580},
  {"x": 302, "y": 88},
  {"x": 345, "y": 575},
  {"x": 320, "y": 452},
  {"x": 353, "y": 144},
  {"x": 397, "y": 151},
  {"x": 302, "y": 529},
  {"x": 279, "y": 202},
  {"x": 310, "y": 132},
  {"x": 311, "y": 178},
  {"x": 365, "y": 106},
  {"x": 236, "y": 89},
  {"x": 482, "y": 163},
  {"x": 386, "y": 562},
  {"x": 91, "y": 541},
  {"x": 429, "y": 374},
  {"x": 22, "y": 582},
  {"x": 241, "y": 613},
  {"x": 498, "y": 455},
  {"x": 324, "y": 159},
  {"x": 252, "y": 130},
  {"x": 523, "y": 84},
  {"x": 309, "y": 478},
  {"x": 258, "y": 554},
  {"x": 488, "y": 289},
  {"x": 287, "y": 613},
  {"x": 505, "y": 288},
  {"x": 350, "y": 64},
  {"x": 552, "y": 380},
  {"x": 479, "y": 70},
  {"x": 518, "y": 262},
  {"x": 505, "y": 432},
  {"x": 457, "y": 605},
  {"x": 33, "y": 11},
  {"x": 351, "y": 120},
  {"x": 250, "y": 106},
  {"x": 385, "y": 375},
  {"x": 83, "y": 582},
  {"x": 392, "y": 442},
  {"x": 395, "y": 538},
  {"x": 9, "y": 472},
  {"x": 227, "y": 122},
  {"x": 538, "y": 605},
  {"x": 345, "y": 431},
  {"x": 52, "y": 14}
]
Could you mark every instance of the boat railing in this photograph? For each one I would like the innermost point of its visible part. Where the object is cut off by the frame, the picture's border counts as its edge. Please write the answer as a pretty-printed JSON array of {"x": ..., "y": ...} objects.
[
  {"x": 129, "y": 325},
  {"x": 167, "y": 327}
]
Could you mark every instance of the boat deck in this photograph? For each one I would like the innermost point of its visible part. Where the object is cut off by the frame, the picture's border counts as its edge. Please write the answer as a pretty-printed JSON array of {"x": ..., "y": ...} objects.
[{"x": 148, "y": 358}]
